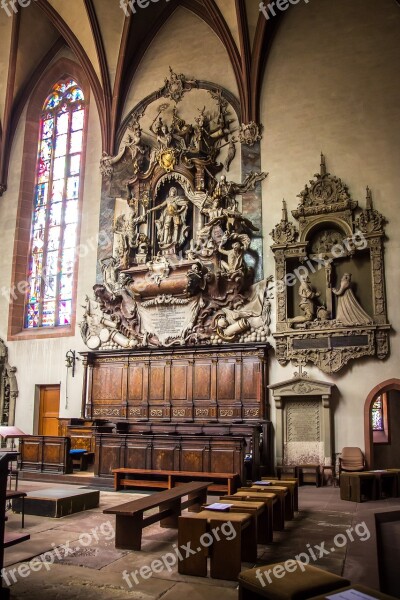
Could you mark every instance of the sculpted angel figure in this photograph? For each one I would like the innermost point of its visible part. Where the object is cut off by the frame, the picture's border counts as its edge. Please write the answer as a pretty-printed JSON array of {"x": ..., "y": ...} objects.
[
  {"x": 162, "y": 132},
  {"x": 126, "y": 230},
  {"x": 171, "y": 226},
  {"x": 215, "y": 216},
  {"x": 230, "y": 221},
  {"x": 349, "y": 311},
  {"x": 228, "y": 190},
  {"x": 131, "y": 141},
  {"x": 109, "y": 268},
  {"x": 180, "y": 130},
  {"x": 235, "y": 258}
]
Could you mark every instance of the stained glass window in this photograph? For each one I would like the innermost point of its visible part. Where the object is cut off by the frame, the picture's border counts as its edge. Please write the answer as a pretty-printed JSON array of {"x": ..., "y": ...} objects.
[
  {"x": 377, "y": 414},
  {"x": 56, "y": 208}
]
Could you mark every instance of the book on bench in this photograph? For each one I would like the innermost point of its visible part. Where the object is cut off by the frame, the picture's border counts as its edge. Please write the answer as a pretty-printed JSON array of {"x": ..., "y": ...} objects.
[
  {"x": 262, "y": 483},
  {"x": 218, "y": 506}
]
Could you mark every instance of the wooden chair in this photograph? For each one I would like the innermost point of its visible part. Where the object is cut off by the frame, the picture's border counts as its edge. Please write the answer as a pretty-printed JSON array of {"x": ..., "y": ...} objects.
[{"x": 351, "y": 460}]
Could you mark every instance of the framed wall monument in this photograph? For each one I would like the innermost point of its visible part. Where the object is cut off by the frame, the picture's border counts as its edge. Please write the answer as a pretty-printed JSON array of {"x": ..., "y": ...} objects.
[
  {"x": 184, "y": 266},
  {"x": 330, "y": 278}
]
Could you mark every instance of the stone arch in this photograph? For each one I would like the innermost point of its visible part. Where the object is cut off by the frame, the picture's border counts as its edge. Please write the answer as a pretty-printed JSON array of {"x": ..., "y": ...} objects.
[{"x": 384, "y": 386}]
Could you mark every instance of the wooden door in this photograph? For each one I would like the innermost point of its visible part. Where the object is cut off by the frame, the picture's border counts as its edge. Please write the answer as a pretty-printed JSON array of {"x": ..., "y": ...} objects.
[{"x": 49, "y": 409}]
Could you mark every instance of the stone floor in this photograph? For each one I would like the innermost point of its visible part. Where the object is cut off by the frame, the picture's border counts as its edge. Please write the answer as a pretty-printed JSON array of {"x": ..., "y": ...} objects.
[{"x": 88, "y": 565}]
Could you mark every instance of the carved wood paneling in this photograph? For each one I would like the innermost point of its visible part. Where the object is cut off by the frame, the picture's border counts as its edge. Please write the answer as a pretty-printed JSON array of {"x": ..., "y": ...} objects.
[
  {"x": 217, "y": 385},
  {"x": 226, "y": 381},
  {"x": 46, "y": 454},
  {"x": 107, "y": 386},
  {"x": 157, "y": 383},
  {"x": 221, "y": 454},
  {"x": 135, "y": 383}
]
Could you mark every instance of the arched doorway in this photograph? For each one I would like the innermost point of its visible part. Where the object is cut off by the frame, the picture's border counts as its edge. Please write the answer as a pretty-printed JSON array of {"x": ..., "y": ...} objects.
[{"x": 390, "y": 387}]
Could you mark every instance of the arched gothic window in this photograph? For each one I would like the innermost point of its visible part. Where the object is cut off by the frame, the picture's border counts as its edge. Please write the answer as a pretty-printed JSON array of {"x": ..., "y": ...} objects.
[
  {"x": 377, "y": 414},
  {"x": 56, "y": 208},
  {"x": 380, "y": 419}
]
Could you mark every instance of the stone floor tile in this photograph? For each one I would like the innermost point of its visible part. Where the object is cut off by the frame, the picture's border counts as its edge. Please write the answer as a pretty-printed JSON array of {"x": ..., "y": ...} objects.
[
  {"x": 39, "y": 543},
  {"x": 323, "y": 516},
  {"x": 183, "y": 591},
  {"x": 64, "y": 582}
]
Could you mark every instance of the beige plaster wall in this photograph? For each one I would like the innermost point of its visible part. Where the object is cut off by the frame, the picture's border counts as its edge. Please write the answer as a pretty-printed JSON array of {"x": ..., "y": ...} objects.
[
  {"x": 34, "y": 26},
  {"x": 111, "y": 21},
  {"x": 76, "y": 17},
  {"x": 226, "y": 6},
  {"x": 332, "y": 85},
  {"x": 189, "y": 46}
]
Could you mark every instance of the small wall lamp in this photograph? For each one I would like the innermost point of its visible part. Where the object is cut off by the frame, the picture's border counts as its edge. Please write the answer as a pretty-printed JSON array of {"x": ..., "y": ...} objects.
[{"x": 70, "y": 360}]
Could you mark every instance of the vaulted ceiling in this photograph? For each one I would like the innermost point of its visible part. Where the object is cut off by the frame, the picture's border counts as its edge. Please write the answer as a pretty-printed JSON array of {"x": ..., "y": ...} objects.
[{"x": 109, "y": 45}]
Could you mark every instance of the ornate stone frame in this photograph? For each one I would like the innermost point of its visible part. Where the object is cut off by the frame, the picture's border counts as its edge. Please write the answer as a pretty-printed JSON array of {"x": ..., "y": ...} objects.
[
  {"x": 8, "y": 388},
  {"x": 299, "y": 388},
  {"x": 325, "y": 343}
]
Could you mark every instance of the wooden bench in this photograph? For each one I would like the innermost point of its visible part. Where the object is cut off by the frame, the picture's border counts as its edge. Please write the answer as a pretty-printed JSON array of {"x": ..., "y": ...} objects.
[
  {"x": 81, "y": 459},
  {"x": 266, "y": 535},
  {"x": 284, "y": 499},
  {"x": 258, "y": 509},
  {"x": 226, "y": 553},
  {"x": 130, "y": 519},
  {"x": 292, "y": 484},
  {"x": 276, "y": 517},
  {"x": 226, "y": 483}
]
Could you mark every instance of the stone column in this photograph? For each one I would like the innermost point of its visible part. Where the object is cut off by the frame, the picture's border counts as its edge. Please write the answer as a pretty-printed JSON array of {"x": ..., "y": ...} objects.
[
  {"x": 252, "y": 205},
  {"x": 326, "y": 429},
  {"x": 106, "y": 234},
  {"x": 279, "y": 430}
]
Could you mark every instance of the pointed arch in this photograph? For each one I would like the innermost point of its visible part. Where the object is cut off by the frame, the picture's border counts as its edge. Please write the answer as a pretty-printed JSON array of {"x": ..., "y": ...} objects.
[
  {"x": 102, "y": 57},
  {"x": 263, "y": 39},
  {"x": 381, "y": 388},
  {"x": 73, "y": 42},
  {"x": 62, "y": 68},
  {"x": 128, "y": 62}
]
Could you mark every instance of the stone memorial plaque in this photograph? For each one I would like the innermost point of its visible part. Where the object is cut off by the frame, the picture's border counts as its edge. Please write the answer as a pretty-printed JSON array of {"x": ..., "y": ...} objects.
[
  {"x": 303, "y": 421},
  {"x": 168, "y": 321}
]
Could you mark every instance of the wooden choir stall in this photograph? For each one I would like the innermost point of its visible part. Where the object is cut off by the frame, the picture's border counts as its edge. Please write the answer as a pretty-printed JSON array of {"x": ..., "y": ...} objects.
[{"x": 186, "y": 409}]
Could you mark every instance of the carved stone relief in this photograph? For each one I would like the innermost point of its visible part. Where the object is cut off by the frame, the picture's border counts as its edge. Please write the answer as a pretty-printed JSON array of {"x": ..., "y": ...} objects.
[
  {"x": 181, "y": 270},
  {"x": 303, "y": 420},
  {"x": 250, "y": 133},
  {"x": 323, "y": 286},
  {"x": 8, "y": 387}
]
